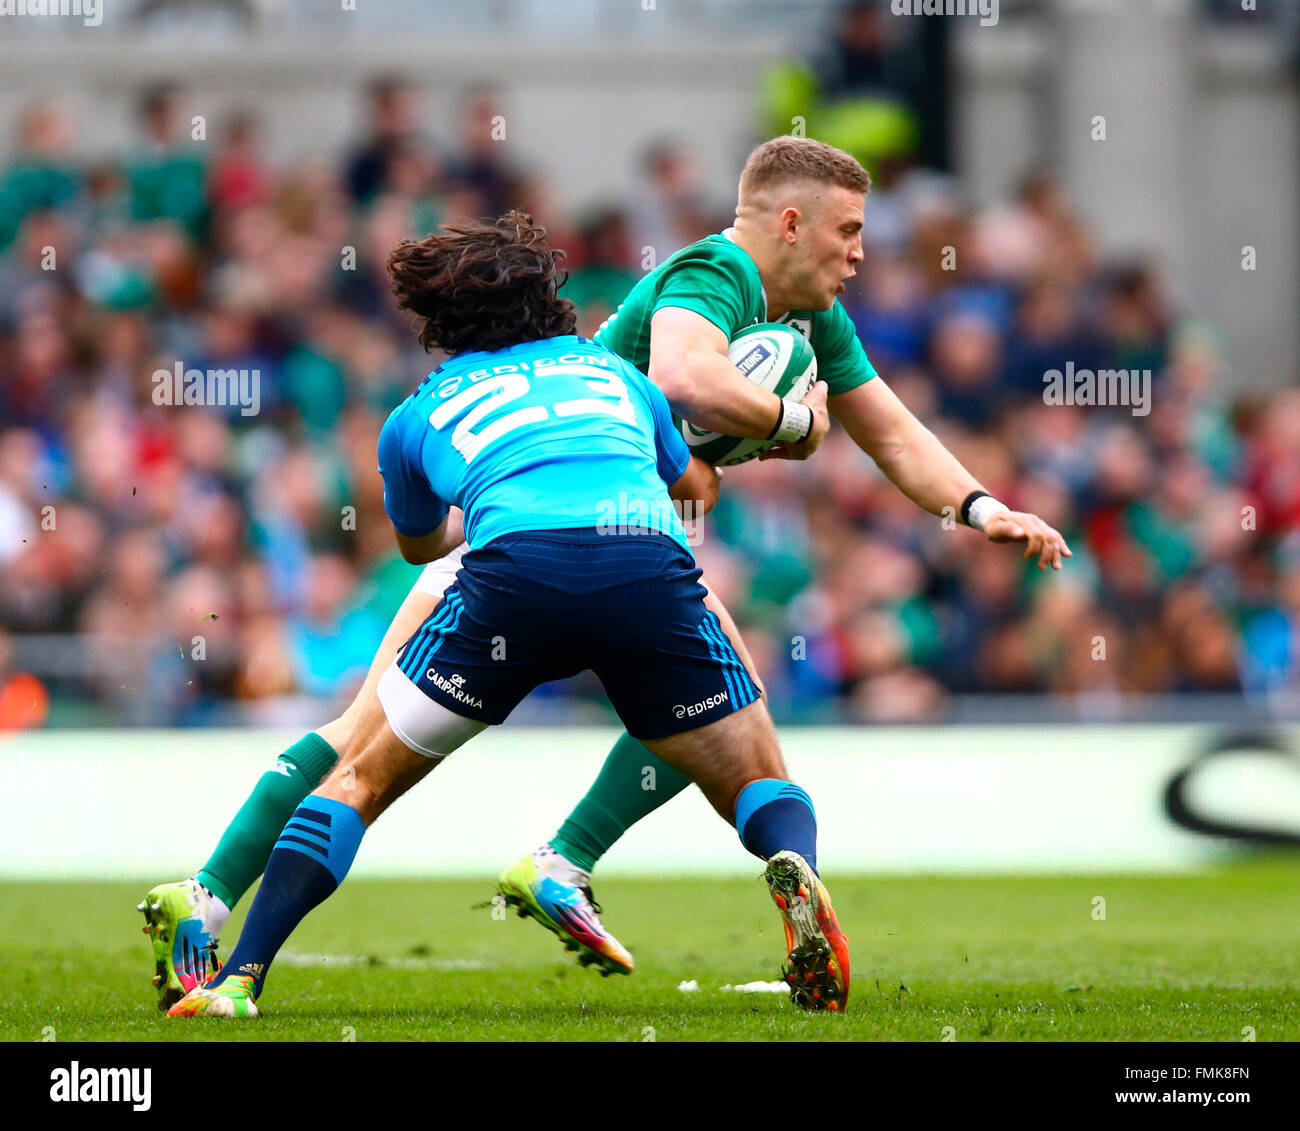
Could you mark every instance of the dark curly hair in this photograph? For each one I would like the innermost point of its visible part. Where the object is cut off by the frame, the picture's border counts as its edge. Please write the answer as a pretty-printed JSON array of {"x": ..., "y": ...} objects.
[{"x": 484, "y": 285}]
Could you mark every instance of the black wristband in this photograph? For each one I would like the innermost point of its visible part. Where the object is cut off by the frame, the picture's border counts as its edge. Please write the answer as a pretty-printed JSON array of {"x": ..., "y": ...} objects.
[
  {"x": 780, "y": 418},
  {"x": 965, "y": 507}
]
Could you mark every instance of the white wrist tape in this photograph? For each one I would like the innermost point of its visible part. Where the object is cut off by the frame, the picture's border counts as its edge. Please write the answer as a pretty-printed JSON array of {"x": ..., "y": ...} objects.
[
  {"x": 796, "y": 424},
  {"x": 983, "y": 509}
]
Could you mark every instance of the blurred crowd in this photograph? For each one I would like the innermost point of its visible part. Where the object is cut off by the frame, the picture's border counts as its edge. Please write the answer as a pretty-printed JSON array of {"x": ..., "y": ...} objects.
[{"x": 192, "y": 565}]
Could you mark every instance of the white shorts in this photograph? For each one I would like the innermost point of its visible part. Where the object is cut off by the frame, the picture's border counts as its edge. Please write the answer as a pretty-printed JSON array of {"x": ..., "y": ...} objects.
[{"x": 437, "y": 576}]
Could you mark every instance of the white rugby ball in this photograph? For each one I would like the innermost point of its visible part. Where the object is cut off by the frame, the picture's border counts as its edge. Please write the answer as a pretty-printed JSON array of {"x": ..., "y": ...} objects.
[{"x": 774, "y": 357}]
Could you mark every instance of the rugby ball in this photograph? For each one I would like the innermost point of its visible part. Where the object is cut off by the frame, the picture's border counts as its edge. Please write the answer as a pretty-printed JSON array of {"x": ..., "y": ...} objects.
[{"x": 774, "y": 357}]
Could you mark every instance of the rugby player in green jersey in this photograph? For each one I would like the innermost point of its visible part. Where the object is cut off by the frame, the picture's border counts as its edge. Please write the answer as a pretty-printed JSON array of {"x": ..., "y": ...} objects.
[{"x": 796, "y": 239}]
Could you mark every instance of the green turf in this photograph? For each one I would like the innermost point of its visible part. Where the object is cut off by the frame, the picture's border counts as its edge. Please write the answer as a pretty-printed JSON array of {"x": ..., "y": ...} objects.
[{"x": 1176, "y": 958}]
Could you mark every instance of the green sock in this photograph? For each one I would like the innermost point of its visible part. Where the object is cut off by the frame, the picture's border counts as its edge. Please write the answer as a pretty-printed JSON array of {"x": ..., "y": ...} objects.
[
  {"x": 245, "y": 846},
  {"x": 632, "y": 784}
]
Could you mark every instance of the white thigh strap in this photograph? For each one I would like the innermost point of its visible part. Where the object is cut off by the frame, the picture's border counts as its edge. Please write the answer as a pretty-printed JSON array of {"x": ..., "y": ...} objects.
[{"x": 426, "y": 727}]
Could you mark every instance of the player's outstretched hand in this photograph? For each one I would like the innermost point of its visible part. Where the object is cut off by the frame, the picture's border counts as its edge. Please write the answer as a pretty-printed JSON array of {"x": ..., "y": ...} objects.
[
  {"x": 821, "y": 424},
  {"x": 1040, "y": 539}
]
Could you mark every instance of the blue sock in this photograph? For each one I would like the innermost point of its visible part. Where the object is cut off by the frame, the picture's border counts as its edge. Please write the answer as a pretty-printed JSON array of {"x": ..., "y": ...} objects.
[
  {"x": 774, "y": 816},
  {"x": 309, "y": 861}
]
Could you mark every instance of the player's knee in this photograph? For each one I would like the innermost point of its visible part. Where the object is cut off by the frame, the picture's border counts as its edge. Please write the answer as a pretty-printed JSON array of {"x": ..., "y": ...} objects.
[{"x": 760, "y": 750}]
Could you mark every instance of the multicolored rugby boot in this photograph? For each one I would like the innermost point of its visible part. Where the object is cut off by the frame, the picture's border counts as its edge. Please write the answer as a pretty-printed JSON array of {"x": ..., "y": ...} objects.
[
  {"x": 566, "y": 909},
  {"x": 180, "y": 919},
  {"x": 233, "y": 998},
  {"x": 817, "y": 951}
]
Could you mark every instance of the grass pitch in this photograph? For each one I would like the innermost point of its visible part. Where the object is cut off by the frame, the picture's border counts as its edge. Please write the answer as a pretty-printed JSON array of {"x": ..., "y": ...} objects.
[{"x": 1186, "y": 958}]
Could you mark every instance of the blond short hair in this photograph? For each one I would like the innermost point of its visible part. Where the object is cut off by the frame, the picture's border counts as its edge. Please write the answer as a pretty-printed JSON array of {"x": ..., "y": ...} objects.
[{"x": 785, "y": 159}]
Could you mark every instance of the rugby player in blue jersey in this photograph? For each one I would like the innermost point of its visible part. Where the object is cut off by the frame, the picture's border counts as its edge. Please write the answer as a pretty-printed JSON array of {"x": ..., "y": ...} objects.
[{"x": 531, "y": 431}]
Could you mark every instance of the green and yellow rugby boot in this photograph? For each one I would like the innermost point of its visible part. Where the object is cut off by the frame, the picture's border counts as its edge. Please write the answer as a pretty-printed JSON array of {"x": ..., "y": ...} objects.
[
  {"x": 182, "y": 921},
  {"x": 541, "y": 887},
  {"x": 233, "y": 998}
]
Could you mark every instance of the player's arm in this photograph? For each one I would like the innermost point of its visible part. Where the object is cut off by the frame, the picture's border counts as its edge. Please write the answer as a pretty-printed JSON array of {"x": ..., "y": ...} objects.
[
  {"x": 697, "y": 489},
  {"x": 421, "y": 520},
  {"x": 931, "y": 476},
  {"x": 424, "y": 548},
  {"x": 695, "y": 485},
  {"x": 688, "y": 361},
  {"x": 692, "y": 483}
]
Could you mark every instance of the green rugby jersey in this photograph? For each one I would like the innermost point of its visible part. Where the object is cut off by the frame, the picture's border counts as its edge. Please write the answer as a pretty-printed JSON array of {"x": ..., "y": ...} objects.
[{"x": 718, "y": 280}]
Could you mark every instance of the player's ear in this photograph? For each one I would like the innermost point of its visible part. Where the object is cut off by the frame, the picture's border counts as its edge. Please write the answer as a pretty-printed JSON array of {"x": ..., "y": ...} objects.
[{"x": 791, "y": 218}]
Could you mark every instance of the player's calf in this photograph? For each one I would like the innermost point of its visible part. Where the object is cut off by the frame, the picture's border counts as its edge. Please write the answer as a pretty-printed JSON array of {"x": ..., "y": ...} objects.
[
  {"x": 725, "y": 756},
  {"x": 314, "y": 852},
  {"x": 318, "y": 844}
]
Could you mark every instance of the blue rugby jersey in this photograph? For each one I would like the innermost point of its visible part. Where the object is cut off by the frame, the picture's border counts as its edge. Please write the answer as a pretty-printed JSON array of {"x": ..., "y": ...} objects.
[{"x": 553, "y": 434}]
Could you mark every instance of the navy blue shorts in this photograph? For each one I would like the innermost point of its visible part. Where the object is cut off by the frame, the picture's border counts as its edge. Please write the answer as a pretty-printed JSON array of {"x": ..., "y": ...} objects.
[{"x": 543, "y": 605}]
